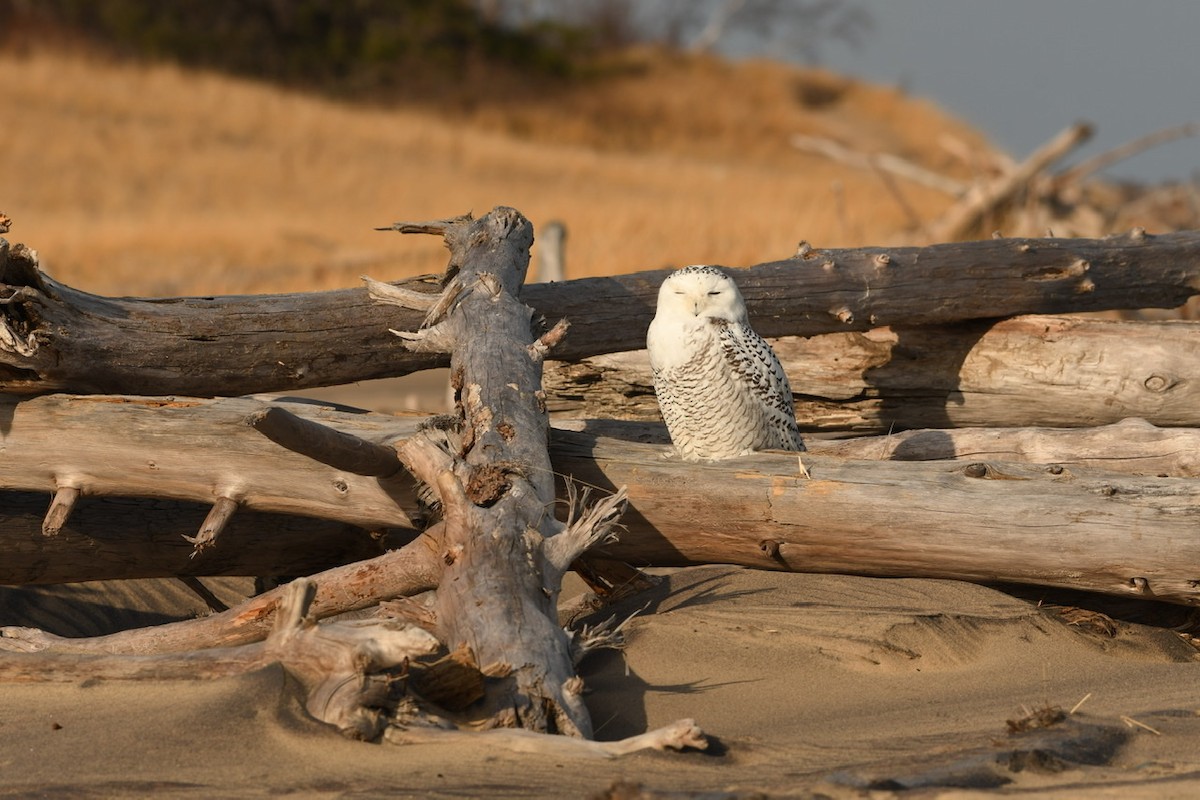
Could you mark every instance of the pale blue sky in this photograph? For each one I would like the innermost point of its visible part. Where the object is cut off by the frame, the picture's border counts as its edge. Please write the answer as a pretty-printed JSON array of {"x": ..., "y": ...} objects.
[{"x": 1021, "y": 70}]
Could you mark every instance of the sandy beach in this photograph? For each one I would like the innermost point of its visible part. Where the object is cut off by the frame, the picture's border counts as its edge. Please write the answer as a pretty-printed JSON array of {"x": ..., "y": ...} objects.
[{"x": 811, "y": 685}]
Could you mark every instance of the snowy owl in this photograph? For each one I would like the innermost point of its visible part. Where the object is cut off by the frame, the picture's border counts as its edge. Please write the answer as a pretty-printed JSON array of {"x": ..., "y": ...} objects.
[{"x": 720, "y": 386}]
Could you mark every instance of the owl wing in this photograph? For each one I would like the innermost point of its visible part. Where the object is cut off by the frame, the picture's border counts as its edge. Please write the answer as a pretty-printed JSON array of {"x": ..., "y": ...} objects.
[{"x": 752, "y": 360}]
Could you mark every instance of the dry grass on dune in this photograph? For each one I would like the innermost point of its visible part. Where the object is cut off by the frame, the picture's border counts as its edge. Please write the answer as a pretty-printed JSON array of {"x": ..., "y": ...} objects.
[{"x": 155, "y": 180}]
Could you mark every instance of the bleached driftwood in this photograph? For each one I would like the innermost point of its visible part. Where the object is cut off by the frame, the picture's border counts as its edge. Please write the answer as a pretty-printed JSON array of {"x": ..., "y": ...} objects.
[
  {"x": 886, "y": 162},
  {"x": 981, "y": 521},
  {"x": 414, "y": 568},
  {"x": 55, "y": 338},
  {"x": 1108, "y": 158},
  {"x": 679, "y": 735},
  {"x": 196, "y": 450},
  {"x": 1132, "y": 446},
  {"x": 107, "y": 539},
  {"x": 347, "y": 669},
  {"x": 498, "y": 551},
  {"x": 984, "y": 199},
  {"x": 1066, "y": 522},
  {"x": 504, "y": 552},
  {"x": 1025, "y": 371}
]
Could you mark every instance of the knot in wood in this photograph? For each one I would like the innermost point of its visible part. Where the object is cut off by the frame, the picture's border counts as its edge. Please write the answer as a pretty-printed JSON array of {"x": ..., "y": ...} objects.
[
  {"x": 843, "y": 314},
  {"x": 976, "y": 470},
  {"x": 883, "y": 260},
  {"x": 770, "y": 547},
  {"x": 804, "y": 250},
  {"x": 1055, "y": 469},
  {"x": 1158, "y": 383},
  {"x": 491, "y": 283},
  {"x": 1137, "y": 233},
  {"x": 1140, "y": 585}
]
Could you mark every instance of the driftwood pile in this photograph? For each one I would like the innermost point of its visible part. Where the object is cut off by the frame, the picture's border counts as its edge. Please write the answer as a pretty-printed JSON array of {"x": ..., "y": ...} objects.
[
  {"x": 1029, "y": 198},
  {"x": 1051, "y": 450}
]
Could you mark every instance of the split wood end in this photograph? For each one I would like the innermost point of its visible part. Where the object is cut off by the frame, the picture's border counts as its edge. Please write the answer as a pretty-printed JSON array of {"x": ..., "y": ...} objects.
[{"x": 60, "y": 510}]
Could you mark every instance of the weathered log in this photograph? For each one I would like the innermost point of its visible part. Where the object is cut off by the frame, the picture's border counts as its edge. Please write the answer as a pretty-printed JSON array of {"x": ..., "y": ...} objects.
[
  {"x": 1025, "y": 371},
  {"x": 985, "y": 521},
  {"x": 504, "y": 552},
  {"x": 55, "y": 338},
  {"x": 349, "y": 671},
  {"x": 1132, "y": 446},
  {"x": 410, "y": 570},
  {"x": 123, "y": 537},
  {"x": 979, "y": 521},
  {"x": 343, "y": 667},
  {"x": 321, "y": 443},
  {"x": 197, "y": 450}
]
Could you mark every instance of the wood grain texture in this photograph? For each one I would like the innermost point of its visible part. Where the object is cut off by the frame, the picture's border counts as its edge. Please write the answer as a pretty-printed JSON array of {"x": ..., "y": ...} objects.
[
  {"x": 1019, "y": 372},
  {"x": 1091, "y": 494},
  {"x": 345, "y": 668},
  {"x": 193, "y": 449},
  {"x": 497, "y": 597},
  {"x": 1132, "y": 446},
  {"x": 55, "y": 338},
  {"x": 979, "y": 521}
]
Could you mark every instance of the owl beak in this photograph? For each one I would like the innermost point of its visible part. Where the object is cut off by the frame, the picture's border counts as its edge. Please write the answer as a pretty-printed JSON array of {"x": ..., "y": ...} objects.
[{"x": 695, "y": 308}]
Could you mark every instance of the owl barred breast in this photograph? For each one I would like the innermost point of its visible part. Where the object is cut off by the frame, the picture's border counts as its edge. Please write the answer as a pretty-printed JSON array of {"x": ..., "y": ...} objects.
[{"x": 720, "y": 386}]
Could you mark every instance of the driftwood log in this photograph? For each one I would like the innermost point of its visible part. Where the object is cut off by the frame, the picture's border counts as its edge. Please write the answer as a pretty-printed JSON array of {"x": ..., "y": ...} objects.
[
  {"x": 1024, "y": 371},
  {"x": 199, "y": 450},
  {"x": 367, "y": 678},
  {"x": 1098, "y": 488},
  {"x": 981, "y": 521},
  {"x": 1131, "y": 446},
  {"x": 504, "y": 551},
  {"x": 348, "y": 670},
  {"x": 55, "y": 338}
]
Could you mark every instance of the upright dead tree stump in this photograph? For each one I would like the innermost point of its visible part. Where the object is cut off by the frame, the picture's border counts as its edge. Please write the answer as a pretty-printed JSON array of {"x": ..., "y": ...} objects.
[{"x": 504, "y": 551}]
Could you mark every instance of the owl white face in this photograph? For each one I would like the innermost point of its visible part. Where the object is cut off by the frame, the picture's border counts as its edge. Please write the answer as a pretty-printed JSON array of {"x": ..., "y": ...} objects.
[{"x": 702, "y": 292}]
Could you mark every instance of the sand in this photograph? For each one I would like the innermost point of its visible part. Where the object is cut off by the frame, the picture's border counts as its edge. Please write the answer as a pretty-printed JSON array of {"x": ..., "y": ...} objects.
[{"x": 812, "y": 685}]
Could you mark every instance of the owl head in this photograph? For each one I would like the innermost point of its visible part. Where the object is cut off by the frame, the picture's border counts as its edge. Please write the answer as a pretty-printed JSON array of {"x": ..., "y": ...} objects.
[{"x": 701, "y": 291}]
